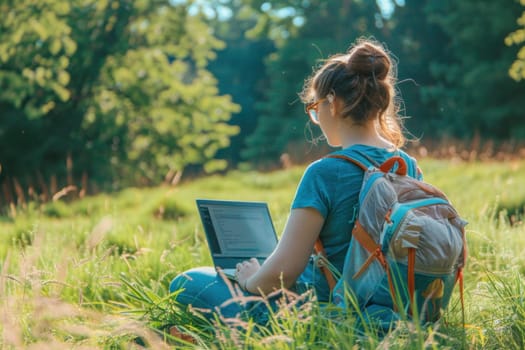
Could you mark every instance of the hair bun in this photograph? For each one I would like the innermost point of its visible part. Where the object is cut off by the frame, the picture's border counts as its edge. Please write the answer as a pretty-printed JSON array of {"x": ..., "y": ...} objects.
[
  {"x": 363, "y": 80},
  {"x": 368, "y": 60}
]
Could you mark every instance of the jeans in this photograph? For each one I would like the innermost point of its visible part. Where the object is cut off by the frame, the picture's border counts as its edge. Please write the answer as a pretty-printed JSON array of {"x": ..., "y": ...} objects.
[{"x": 213, "y": 294}]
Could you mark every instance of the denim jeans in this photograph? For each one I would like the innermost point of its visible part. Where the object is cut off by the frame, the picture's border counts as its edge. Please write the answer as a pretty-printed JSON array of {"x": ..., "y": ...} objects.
[{"x": 213, "y": 294}]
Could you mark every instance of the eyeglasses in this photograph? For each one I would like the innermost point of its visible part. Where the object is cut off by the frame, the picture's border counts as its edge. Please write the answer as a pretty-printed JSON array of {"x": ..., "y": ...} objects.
[{"x": 312, "y": 110}]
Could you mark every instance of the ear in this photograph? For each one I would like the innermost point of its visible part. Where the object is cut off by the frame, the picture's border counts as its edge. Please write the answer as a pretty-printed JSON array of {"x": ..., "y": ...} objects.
[{"x": 333, "y": 103}]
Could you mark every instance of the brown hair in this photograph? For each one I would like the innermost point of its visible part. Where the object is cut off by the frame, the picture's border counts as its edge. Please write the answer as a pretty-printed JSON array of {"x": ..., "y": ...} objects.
[{"x": 364, "y": 78}]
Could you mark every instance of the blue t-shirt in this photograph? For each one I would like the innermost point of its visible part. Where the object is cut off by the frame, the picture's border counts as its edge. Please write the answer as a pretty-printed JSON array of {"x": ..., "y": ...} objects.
[{"x": 331, "y": 186}]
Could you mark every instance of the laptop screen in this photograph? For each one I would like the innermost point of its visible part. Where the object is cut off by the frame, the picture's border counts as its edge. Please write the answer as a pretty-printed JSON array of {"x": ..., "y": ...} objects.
[{"x": 237, "y": 229}]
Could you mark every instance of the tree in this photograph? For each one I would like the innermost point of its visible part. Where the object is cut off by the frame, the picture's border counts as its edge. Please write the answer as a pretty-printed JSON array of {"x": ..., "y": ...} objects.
[
  {"x": 35, "y": 52},
  {"x": 239, "y": 66},
  {"x": 472, "y": 88},
  {"x": 120, "y": 87},
  {"x": 415, "y": 43}
]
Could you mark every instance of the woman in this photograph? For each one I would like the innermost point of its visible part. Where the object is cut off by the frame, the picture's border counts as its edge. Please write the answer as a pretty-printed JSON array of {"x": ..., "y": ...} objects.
[{"x": 352, "y": 98}]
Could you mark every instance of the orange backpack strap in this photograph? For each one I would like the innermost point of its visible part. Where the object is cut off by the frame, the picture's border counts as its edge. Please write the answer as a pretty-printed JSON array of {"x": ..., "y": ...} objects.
[
  {"x": 359, "y": 233},
  {"x": 459, "y": 278},
  {"x": 318, "y": 246},
  {"x": 319, "y": 249},
  {"x": 389, "y": 164},
  {"x": 348, "y": 159},
  {"x": 411, "y": 278}
]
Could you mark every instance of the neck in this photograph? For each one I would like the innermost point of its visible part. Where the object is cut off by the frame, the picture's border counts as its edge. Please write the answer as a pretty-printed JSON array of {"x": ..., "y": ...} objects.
[{"x": 352, "y": 134}]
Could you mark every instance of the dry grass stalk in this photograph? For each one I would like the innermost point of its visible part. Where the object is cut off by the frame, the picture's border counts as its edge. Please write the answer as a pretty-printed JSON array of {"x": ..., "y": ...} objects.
[
  {"x": 64, "y": 192},
  {"x": 98, "y": 233}
]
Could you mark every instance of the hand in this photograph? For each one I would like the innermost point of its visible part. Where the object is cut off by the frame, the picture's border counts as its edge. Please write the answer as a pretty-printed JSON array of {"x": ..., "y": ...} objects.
[{"x": 245, "y": 270}]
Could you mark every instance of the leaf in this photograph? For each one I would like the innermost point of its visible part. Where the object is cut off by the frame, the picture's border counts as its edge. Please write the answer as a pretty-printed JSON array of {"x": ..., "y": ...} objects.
[
  {"x": 55, "y": 46},
  {"x": 40, "y": 76},
  {"x": 39, "y": 29},
  {"x": 215, "y": 165},
  {"x": 63, "y": 77},
  {"x": 63, "y": 93},
  {"x": 70, "y": 45}
]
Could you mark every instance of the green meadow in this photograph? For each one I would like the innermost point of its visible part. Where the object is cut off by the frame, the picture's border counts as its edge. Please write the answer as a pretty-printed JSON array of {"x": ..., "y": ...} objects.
[{"x": 94, "y": 273}]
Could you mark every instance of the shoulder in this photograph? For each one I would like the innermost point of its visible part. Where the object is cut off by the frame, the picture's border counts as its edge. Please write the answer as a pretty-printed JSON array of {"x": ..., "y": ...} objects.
[
  {"x": 375, "y": 156},
  {"x": 330, "y": 166}
]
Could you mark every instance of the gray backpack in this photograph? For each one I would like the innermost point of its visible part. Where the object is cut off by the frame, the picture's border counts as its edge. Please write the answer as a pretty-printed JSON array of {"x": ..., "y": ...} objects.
[{"x": 408, "y": 246}]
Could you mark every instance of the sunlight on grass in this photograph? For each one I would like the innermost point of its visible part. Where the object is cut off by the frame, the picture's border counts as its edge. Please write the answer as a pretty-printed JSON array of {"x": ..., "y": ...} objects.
[{"x": 95, "y": 273}]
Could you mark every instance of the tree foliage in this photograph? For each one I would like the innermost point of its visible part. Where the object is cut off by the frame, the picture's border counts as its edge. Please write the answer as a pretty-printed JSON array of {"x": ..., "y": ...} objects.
[
  {"x": 471, "y": 85},
  {"x": 517, "y": 37},
  {"x": 452, "y": 65},
  {"x": 414, "y": 43},
  {"x": 240, "y": 67},
  {"x": 120, "y": 87},
  {"x": 133, "y": 90}
]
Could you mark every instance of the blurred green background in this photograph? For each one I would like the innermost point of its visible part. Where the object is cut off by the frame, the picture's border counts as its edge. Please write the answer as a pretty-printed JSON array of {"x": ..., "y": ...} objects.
[{"x": 105, "y": 94}]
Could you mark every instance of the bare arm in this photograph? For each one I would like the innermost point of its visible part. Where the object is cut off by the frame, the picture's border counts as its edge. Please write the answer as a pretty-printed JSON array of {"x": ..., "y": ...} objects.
[{"x": 289, "y": 258}]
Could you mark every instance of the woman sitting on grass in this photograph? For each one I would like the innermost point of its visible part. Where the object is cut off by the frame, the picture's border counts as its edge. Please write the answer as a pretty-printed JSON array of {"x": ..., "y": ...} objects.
[{"x": 351, "y": 97}]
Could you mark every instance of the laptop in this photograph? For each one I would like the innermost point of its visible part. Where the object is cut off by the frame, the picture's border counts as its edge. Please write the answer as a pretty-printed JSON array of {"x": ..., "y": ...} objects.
[{"x": 237, "y": 231}]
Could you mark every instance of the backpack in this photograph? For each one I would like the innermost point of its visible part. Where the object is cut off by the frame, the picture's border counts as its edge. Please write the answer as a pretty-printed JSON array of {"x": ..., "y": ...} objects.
[{"x": 408, "y": 244}]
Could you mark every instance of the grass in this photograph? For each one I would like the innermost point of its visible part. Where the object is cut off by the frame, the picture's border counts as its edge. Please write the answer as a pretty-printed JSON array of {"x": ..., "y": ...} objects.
[{"x": 94, "y": 273}]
